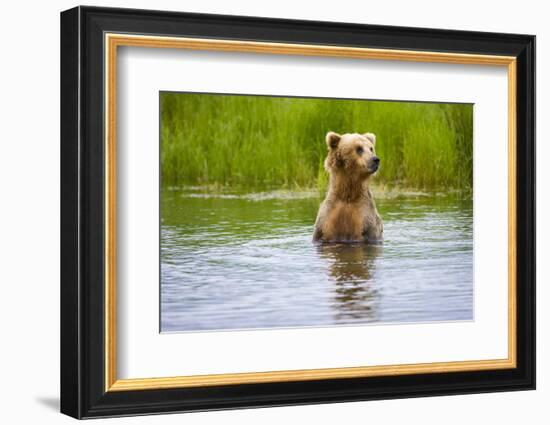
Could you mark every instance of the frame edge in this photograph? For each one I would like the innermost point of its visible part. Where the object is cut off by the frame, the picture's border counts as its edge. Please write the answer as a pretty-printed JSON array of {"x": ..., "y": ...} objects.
[
  {"x": 70, "y": 349},
  {"x": 526, "y": 180}
]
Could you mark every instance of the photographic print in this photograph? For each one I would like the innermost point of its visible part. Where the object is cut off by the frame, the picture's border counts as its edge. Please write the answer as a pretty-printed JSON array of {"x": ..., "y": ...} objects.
[
  {"x": 268, "y": 185},
  {"x": 282, "y": 212}
]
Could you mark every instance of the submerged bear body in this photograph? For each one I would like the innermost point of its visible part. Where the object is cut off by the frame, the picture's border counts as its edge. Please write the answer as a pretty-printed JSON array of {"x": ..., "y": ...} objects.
[{"x": 348, "y": 213}]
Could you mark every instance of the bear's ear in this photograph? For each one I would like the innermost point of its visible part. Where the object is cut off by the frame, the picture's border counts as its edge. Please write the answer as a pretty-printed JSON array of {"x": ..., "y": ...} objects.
[
  {"x": 333, "y": 139},
  {"x": 371, "y": 137}
]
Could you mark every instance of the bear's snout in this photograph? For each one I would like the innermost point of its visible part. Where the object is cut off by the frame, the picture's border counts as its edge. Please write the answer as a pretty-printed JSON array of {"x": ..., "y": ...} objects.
[{"x": 374, "y": 163}]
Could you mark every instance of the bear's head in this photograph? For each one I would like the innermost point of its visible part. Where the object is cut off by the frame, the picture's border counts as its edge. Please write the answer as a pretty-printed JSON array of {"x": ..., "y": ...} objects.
[{"x": 352, "y": 154}]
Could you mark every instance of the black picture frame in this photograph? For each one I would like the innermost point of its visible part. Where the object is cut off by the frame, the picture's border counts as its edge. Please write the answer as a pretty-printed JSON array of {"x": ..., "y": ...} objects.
[{"x": 83, "y": 392}]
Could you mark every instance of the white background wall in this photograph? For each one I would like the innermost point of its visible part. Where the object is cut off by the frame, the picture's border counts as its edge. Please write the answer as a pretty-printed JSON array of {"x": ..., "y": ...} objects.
[{"x": 29, "y": 217}]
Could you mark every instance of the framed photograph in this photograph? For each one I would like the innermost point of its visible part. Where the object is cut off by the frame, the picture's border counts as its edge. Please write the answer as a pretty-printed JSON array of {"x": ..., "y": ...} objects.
[{"x": 261, "y": 212}]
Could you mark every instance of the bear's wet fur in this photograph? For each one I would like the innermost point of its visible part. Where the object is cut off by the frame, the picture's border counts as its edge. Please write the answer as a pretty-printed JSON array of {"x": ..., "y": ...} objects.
[{"x": 348, "y": 213}]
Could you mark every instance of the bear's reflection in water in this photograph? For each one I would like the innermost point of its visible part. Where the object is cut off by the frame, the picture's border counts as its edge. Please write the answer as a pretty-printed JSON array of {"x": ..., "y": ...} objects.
[{"x": 351, "y": 268}]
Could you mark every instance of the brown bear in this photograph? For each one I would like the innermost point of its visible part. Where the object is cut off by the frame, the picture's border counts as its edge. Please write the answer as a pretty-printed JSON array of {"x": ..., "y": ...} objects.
[{"x": 348, "y": 213}]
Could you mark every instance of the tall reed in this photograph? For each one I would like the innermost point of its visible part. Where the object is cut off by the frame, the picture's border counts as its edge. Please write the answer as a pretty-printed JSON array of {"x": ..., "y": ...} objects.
[{"x": 259, "y": 141}]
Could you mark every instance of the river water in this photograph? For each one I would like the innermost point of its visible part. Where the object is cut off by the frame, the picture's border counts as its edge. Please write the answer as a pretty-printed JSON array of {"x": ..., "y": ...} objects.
[{"x": 247, "y": 261}]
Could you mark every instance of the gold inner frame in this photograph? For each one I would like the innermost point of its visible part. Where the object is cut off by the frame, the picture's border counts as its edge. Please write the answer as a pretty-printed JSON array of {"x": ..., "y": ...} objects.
[{"x": 113, "y": 41}]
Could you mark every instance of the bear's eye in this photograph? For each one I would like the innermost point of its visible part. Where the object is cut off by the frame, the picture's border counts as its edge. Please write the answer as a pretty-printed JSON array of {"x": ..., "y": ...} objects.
[
  {"x": 371, "y": 149},
  {"x": 359, "y": 150}
]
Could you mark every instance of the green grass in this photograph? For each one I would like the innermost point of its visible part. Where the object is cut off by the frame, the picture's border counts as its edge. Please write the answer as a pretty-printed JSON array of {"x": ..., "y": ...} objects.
[{"x": 255, "y": 141}]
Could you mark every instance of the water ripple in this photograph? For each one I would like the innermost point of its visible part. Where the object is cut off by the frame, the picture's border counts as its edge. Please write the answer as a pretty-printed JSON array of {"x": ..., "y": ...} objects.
[{"x": 244, "y": 262}]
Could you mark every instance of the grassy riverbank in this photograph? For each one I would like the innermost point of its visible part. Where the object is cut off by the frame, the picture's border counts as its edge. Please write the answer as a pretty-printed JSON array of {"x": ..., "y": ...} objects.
[{"x": 256, "y": 141}]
